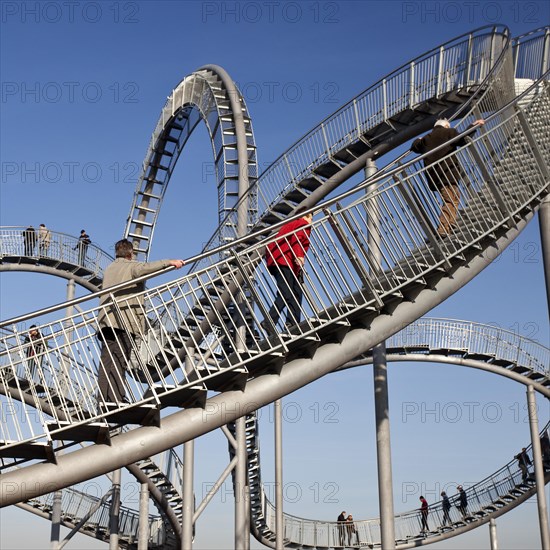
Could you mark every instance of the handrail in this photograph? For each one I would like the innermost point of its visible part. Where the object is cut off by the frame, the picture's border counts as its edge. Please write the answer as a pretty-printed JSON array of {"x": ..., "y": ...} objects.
[
  {"x": 335, "y": 286},
  {"x": 60, "y": 246},
  {"x": 320, "y": 127},
  {"x": 481, "y": 499},
  {"x": 381, "y": 176}
]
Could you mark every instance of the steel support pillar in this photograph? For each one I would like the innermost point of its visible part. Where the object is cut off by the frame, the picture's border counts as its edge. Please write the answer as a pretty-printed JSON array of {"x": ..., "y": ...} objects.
[
  {"x": 187, "y": 492},
  {"x": 56, "y": 520},
  {"x": 115, "y": 511},
  {"x": 242, "y": 538},
  {"x": 143, "y": 532},
  {"x": 493, "y": 534},
  {"x": 539, "y": 470},
  {"x": 544, "y": 226},
  {"x": 381, "y": 399},
  {"x": 279, "y": 523},
  {"x": 187, "y": 477}
]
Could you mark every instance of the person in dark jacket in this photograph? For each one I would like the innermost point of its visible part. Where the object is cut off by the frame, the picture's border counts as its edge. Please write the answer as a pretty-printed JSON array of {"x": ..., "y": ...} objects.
[
  {"x": 285, "y": 260},
  {"x": 342, "y": 527},
  {"x": 446, "y": 506},
  {"x": 462, "y": 502},
  {"x": 524, "y": 462},
  {"x": 443, "y": 174},
  {"x": 83, "y": 242},
  {"x": 29, "y": 240},
  {"x": 35, "y": 350}
]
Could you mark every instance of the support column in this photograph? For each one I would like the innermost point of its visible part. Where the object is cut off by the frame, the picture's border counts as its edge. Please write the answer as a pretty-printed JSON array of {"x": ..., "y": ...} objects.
[
  {"x": 56, "y": 520},
  {"x": 64, "y": 382},
  {"x": 188, "y": 476},
  {"x": 544, "y": 226},
  {"x": 115, "y": 511},
  {"x": 493, "y": 534},
  {"x": 242, "y": 538},
  {"x": 381, "y": 394},
  {"x": 143, "y": 533},
  {"x": 187, "y": 491},
  {"x": 279, "y": 527},
  {"x": 539, "y": 470}
]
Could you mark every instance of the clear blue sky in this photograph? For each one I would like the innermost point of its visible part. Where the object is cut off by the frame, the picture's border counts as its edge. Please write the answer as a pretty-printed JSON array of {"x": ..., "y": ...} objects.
[{"x": 83, "y": 84}]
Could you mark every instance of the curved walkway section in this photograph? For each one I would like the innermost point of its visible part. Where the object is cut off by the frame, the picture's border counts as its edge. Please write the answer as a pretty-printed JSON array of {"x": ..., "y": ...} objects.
[
  {"x": 349, "y": 300},
  {"x": 62, "y": 255},
  {"x": 440, "y": 340},
  {"x": 401, "y": 105},
  {"x": 490, "y": 498},
  {"x": 210, "y": 95},
  {"x": 92, "y": 515}
]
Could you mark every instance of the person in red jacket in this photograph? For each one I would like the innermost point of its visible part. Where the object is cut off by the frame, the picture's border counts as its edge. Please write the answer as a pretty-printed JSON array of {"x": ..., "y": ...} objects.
[
  {"x": 424, "y": 514},
  {"x": 285, "y": 258}
]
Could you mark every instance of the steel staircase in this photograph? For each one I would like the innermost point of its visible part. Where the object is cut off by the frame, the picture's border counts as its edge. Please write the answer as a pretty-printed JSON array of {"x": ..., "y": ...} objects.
[
  {"x": 210, "y": 95},
  {"x": 344, "y": 304},
  {"x": 490, "y": 498},
  {"x": 91, "y": 515},
  {"x": 343, "y": 297}
]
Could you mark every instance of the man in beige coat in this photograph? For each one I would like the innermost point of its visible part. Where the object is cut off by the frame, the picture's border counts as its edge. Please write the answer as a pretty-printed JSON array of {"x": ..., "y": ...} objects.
[{"x": 118, "y": 326}]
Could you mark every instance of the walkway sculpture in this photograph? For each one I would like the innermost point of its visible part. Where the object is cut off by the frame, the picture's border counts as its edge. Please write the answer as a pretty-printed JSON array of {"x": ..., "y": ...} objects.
[{"x": 204, "y": 350}]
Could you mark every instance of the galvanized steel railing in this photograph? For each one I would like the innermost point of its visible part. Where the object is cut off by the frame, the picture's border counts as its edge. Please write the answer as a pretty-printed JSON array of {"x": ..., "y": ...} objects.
[
  {"x": 206, "y": 330},
  {"x": 61, "y": 248},
  {"x": 208, "y": 94},
  {"x": 481, "y": 499},
  {"x": 532, "y": 53},
  {"x": 76, "y": 506},
  {"x": 472, "y": 339},
  {"x": 463, "y": 62}
]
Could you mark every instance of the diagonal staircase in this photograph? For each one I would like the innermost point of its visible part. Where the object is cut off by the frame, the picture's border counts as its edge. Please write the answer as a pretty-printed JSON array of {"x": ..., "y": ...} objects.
[
  {"x": 355, "y": 297},
  {"x": 346, "y": 300}
]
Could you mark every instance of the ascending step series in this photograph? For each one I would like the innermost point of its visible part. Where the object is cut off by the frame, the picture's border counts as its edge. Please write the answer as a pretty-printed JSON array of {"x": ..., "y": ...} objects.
[{"x": 203, "y": 338}]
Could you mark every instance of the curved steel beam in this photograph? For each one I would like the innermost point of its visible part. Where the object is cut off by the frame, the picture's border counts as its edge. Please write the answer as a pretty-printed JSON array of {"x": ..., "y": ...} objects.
[
  {"x": 188, "y": 424},
  {"x": 208, "y": 94},
  {"x": 457, "y": 361}
]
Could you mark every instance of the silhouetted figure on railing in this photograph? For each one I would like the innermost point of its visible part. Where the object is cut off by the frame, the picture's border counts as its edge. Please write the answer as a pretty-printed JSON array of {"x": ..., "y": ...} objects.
[
  {"x": 423, "y": 515},
  {"x": 285, "y": 260},
  {"x": 462, "y": 502},
  {"x": 119, "y": 326},
  {"x": 524, "y": 462},
  {"x": 444, "y": 176},
  {"x": 44, "y": 239},
  {"x": 83, "y": 242},
  {"x": 351, "y": 530},
  {"x": 35, "y": 349},
  {"x": 342, "y": 527},
  {"x": 29, "y": 240},
  {"x": 446, "y": 507}
]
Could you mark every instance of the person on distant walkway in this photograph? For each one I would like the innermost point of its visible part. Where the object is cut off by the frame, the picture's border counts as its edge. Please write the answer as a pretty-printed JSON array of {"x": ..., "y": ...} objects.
[
  {"x": 285, "y": 260},
  {"x": 44, "y": 239},
  {"x": 423, "y": 515},
  {"x": 118, "y": 327},
  {"x": 446, "y": 506},
  {"x": 83, "y": 242},
  {"x": 462, "y": 501},
  {"x": 445, "y": 175},
  {"x": 352, "y": 531},
  {"x": 35, "y": 349},
  {"x": 29, "y": 240},
  {"x": 524, "y": 462},
  {"x": 342, "y": 527}
]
